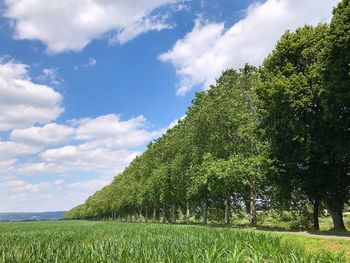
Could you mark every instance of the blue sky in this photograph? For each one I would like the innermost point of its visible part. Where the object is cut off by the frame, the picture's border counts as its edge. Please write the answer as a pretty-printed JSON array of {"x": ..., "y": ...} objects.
[{"x": 85, "y": 85}]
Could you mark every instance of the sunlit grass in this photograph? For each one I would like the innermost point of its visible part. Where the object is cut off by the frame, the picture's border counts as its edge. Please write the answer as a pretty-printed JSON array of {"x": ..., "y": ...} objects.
[
  {"x": 82, "y": 241},
  {"x": 313, "y": 245}
]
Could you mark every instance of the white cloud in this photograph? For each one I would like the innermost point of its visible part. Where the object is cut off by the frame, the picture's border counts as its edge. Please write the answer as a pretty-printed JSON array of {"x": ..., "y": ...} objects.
[
  {"x": 59, "y": 182},
  {"x": 110, "y": 138},
  {"x": 92, "y": 62},
  {"x": 85, "y": 157},
  {"x": 51, "y": 77},
  {"x": 154, "y": 23},
  {"x": 21, "y": 196},
  {"x": 10, "y": 150},
  {"x": 48, "y": 134},
  {"x": 22, "y": 102},
  {"x": 36, "y": 168},
  {"x": 70, "y": 25},
  {"x": 107, "y": 126},
  {"x": 112, "y": 132},
  {"x": 90, "y": 184},
  {"x": 103, "y": 145},
  {"x": 6, "y": 164},
  {"x": 210, "y": 48},
  {"x": 20, "y": 187}
]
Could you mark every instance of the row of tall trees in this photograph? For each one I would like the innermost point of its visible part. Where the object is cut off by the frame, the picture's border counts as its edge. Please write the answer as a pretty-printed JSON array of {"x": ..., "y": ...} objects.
[{"x": 258, "y": 138}]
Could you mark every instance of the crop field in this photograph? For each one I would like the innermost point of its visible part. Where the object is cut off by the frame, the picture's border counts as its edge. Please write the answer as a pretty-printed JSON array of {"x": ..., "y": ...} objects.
[{"x": 84, "y": 241}]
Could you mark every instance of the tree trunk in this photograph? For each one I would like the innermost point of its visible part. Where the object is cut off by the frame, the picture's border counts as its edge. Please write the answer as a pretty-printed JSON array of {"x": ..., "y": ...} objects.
[
  {"x": 227, "y": 211},
  {"x": 163, "y": 213},
  {"x": 188, "y": 214},
  {"x": 174, "y": 214},
  {"x": 253, "y": 219},
  {"x": 139, "y": 215},
  {"x": 246, "y": 201},
  {"x": 205, "y": 216},
  {"x": 146, "y": 214},
  {"x": 154, "y": 215},
  {"x": 337, "y": 216},
  {"x": 315, "y": 215}
]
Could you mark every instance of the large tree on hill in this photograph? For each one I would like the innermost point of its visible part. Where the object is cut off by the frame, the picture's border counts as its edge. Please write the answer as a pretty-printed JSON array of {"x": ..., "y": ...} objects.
[{"x": 336, "y": 98}]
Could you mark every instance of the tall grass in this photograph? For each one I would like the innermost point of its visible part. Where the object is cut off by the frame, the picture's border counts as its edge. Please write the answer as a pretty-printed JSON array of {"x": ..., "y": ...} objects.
[{"x": 79, "y": 241}]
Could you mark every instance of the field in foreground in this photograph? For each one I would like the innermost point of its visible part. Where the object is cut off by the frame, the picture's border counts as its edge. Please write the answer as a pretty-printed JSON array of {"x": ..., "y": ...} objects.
[{"x": 83, "y": 241}]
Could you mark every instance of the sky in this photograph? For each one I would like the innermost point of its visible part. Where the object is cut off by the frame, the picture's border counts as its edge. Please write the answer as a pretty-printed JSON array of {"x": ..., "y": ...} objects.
[{"x": 86, "y": 85}]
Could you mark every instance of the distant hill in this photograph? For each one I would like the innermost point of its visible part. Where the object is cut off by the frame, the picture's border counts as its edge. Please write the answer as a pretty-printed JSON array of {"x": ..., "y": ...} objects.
[{"x": 15, "y": 217}]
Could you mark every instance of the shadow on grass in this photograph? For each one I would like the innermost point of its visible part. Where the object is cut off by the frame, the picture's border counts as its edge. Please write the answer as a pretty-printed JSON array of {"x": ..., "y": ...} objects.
[
  {"x": 296, "y": 230},
  {"x": 262, "y": 228},
  {"x": 286, "y": 229}
]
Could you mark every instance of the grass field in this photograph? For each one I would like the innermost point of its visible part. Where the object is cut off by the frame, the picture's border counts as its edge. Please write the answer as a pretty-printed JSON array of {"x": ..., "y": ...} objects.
[{"x": 83, "y": 241}]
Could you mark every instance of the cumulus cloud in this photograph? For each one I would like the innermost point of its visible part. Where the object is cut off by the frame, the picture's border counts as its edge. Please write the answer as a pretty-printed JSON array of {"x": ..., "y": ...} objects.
[
  {"x": 210, "y": 48},
  {"x": 112, "y": 132},
  {"x": 21, "y": 191},
  {"x": 82, "y": 158},
  {"x": 70, "y": 25},
  {"x": 22, "y": 102},
  {"x": 10, "y": 150},
  {"x": 103, "y": 145},
  {"x": 48, "y": 134}
]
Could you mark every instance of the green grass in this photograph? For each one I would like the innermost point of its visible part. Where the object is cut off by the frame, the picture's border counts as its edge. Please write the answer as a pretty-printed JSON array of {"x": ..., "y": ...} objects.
[
  {"x": 82, "y": 241},
  {"x": 313, "y": 245}
]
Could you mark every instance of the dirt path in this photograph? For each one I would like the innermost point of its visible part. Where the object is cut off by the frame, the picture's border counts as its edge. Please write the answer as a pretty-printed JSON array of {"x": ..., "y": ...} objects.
[{"x": 307, "y": 234}]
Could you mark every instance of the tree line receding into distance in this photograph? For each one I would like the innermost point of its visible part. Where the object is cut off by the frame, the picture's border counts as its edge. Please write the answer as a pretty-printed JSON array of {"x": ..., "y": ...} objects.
[{"x": 277, "y": 136}]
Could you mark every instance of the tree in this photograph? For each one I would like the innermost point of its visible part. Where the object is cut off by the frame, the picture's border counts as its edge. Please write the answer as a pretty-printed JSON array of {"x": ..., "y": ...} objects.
[
  {"x": 336, "y": 99},
  {"x": 291, "y": 112}
]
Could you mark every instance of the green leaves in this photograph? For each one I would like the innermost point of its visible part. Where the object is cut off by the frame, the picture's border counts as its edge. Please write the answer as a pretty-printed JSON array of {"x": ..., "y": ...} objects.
[
  {"x": 291, "y": 110},
  {"x": 336, "y": 101}
]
